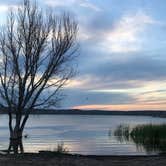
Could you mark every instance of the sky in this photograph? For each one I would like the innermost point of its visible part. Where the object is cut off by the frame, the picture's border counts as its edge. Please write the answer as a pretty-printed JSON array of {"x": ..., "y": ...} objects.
[{"x": 121, "y": 63}]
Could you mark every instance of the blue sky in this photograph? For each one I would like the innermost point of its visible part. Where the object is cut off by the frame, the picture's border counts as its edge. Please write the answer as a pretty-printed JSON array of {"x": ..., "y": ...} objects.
[{"x": 122, "y": 61}]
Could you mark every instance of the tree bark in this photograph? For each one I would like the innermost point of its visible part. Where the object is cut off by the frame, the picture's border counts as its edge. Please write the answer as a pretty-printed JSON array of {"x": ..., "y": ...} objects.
[{"x": 16, "y": 145}]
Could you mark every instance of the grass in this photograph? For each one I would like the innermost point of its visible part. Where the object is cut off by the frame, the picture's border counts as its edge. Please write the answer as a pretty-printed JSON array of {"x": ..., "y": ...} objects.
[
  {"x": 150, "y": 130},
  {"x": 122, "y": 133},
  {"x": 59, "y": 150},
  {"x": 152, "y": 137}
]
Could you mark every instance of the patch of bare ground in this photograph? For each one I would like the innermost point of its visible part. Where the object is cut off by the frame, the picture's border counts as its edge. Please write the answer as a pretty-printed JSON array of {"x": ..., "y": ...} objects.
[{"x": 53, "y": 159}]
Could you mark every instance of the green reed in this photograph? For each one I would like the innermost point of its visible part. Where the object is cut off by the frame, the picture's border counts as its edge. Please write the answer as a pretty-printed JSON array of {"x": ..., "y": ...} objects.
[{"x": 152, "y": 137}]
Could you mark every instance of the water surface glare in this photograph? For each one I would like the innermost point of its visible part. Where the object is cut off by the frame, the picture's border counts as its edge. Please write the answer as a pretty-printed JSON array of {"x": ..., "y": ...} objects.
[{"x": 83, "y": 134}]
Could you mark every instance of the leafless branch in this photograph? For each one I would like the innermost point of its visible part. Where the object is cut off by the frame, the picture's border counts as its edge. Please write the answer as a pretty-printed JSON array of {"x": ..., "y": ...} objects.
[{"x": 35, "y": 54}]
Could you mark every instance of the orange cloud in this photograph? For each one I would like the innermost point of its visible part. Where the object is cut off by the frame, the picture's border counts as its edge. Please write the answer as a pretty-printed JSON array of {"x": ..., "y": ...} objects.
[{"x": 123, "y": 107}]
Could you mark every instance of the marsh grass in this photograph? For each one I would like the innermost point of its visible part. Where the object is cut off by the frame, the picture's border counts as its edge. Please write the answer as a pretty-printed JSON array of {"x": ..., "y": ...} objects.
[
  {"x": 122, "y": 133},
  {"x": 151, "y": 137}
]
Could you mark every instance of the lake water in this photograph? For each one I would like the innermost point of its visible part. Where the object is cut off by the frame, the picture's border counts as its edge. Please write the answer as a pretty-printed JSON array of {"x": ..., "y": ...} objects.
[{"x": 83, "y": 134}]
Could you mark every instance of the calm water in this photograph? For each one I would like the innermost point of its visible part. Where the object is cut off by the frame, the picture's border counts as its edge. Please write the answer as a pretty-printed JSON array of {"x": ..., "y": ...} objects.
[{"x": 81, "y": 134}]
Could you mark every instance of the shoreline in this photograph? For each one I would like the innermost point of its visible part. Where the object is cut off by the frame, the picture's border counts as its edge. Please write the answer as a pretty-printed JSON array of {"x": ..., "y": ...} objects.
[
  {"x": 152, "y": 113},
  {"x": 47, "y": 158}
]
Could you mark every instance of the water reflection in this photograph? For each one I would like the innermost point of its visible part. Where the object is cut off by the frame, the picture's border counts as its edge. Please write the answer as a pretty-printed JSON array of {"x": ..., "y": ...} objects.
[
  {"x": 150, "y": 137},
  {"x": 122, "y": 133}
]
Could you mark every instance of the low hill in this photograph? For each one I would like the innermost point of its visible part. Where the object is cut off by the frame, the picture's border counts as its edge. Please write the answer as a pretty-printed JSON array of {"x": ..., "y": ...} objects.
[{"x": 156, "y": 113}]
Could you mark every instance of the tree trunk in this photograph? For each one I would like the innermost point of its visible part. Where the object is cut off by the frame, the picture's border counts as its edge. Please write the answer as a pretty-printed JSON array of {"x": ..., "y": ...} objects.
[
  {"x": 16, "y": 132},
  {"x": 16, "y": 145}
]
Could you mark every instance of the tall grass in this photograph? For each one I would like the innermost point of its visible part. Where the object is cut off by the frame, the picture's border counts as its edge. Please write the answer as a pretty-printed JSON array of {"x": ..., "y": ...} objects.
[
  {"x": 122, "y": 133},
  {"x": 60, "y": 149},
  {"x": 152, "y": 137}
]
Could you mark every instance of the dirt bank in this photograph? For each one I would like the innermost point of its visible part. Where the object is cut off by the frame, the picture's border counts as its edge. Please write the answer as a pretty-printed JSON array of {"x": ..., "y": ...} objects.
[{"x": 52, "y": 159}]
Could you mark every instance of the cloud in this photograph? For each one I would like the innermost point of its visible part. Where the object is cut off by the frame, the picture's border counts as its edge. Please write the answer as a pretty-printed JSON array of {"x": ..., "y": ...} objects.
[
  {"x": 87, "y": 4},
  {"x": 112, "y": 34},
  {"x": 148, "y": 95},
  {"x": 142, "y": 96},
  {"x": 126, "y": 34},
  {"x": 83, "y": 97},
  {"x": 5, "y": 8},
  {"x": 55, "y": 3},
  {"x": 113, "y": 67},
  {"x": 10, "y": 2},
  {"x": 139, "y": 67},
  {"x": 124, "y": 107},
  {"x": 81, "y": 3},
  {"x": 136, "y": 79}
]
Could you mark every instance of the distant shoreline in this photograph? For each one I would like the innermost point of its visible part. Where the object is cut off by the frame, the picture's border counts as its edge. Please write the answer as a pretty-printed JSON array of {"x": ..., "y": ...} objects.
[{"x": 156, "y": 113}]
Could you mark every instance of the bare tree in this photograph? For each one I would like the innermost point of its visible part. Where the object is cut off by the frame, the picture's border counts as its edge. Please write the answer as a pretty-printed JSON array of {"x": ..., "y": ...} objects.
[{"x": 35, "y": 53}]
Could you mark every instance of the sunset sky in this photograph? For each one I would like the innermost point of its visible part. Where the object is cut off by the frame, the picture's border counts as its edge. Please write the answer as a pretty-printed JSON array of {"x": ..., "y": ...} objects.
[{"x": 122, "y": 58}]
